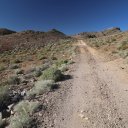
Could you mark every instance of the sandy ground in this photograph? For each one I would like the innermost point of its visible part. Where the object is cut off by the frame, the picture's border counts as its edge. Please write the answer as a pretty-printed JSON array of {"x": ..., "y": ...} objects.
[{"x": 97, "y": 96}]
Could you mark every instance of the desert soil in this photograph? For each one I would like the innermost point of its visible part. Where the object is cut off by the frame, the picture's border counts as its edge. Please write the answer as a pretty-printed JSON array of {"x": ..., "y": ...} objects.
[{"x": 96, "y": 96}]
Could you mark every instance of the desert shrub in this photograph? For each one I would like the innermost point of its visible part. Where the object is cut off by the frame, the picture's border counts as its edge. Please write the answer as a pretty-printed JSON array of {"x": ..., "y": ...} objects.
[
  {"x": 23, "y": 112},
  {"x": 38, "y": 72},
  {"x": 53, "y": 58},
  {"x": 14, "y": 66},
  {"x": 2, "y": 67},
  {"x": 60, "y": 62},
  {"x": 4, "y": 93},
  {"x": 31, "y": 70},
  {"x": 19, "y": 71},
  {"x": 52, "y": 74},
  {"x": 113, "y": 39},
  {"x": 123, "y": 53},
  {"x": 44, "y": 67},
  {"x": 29, "y": 76},
  {"x": 17, "y": 61},
  {"x": 40, "y": 87},
  {"x": 63, "y": 67},
  {"x": 14, "y": 80},
  {"x": 41, "y": 57},
  {"x": 70, "y": 62},
  {"x": 123, "y": 45}
]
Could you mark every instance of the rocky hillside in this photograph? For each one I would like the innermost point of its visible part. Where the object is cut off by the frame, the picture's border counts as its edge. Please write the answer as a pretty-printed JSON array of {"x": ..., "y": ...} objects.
[
  {"x": 32, "y": 63},
  {"x": 4, "y": 31},
  {"x": 111, "y": 31},
  {"x": 29, "y": 40}
]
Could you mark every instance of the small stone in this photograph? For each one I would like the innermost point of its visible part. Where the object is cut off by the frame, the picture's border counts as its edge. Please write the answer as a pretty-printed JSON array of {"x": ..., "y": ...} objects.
[
  {"x": 86, "y": 118},
  {"x": 81, "y": 115},
  {"x": 40, "y": 114},
  {"x": 82, "y": 111}
]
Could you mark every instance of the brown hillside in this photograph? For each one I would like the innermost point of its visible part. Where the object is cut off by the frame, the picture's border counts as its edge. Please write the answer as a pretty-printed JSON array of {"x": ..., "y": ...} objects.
[
  {"x": 29, "y": 40},
  {"x": 111, "y": 31}
]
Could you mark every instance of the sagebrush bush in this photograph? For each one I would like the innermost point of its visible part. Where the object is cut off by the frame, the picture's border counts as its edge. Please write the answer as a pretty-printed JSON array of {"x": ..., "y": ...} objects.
[
  {"x": 19, "y": 71},
  {"x": 23, "y": 112},
  {"x": 60, "y": 62},
  {"x": 70, "y": 62},
  {"x": 123, "y": 45},
  {"x": 31, "y": 70},
  {"x": 38, "y": 72},
  {"x": 14, "y": 80},
  {"x": 63, "y": 67},
  {"x": 4, "y": 93},
  {"x": 44, "y": 67},
  {"x": 2, "y": 67},
  {"x": 52, "y": 74},
  {"x": 14, "y": 66},
  {"x": 123, "y": 53},
  {"x": 41, "y": 57},
  {"x": 40, "y": 87}
]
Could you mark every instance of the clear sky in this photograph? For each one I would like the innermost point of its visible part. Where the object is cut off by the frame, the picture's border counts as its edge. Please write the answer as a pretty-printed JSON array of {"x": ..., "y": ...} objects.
[{"x": 69, "y": 16}]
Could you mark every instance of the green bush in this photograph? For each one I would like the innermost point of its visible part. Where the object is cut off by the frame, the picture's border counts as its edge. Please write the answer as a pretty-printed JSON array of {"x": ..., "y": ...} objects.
[
  {"x": 123, "y": 45},
  {"x": 40, "y": 87},
  {"x": 38, "y": 72},
  {"x": 123, "y": 53},
  {"x": 2, "y": 67},
  {"x": 63, "y": 68},
  {"x": 41, "y": 57},
  {"x": 52, "y": 74},
  {"x": 70, "y": 62},
  {"x": 4, "y": 93},
  {"x": 23, "y": 112},
  {"x": 14, "y": 80},
  {"x": 59, "y": 63}
]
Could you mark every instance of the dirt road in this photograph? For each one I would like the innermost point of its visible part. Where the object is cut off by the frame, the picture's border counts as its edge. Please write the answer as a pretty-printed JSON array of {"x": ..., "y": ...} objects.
[{"x": 99, "y": 95}]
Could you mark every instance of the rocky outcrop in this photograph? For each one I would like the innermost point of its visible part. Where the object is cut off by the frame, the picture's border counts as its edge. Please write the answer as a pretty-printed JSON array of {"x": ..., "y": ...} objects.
[{"x": 106, "y": 32}]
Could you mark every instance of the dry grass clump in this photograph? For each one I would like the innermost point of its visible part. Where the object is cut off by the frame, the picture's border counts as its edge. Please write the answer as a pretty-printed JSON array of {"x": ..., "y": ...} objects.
[
  {"x": 23, "y": 114},
  {"x": 63, "y": 68},
  {"x": 40, "y": 87},
  {"x": 123, "y": 45},
  {"x": 2, "y": 67},
  {"x": 52, "y": 74},
  {"x": 4, "y": 93},
  {"x": 14, "y": 80}
]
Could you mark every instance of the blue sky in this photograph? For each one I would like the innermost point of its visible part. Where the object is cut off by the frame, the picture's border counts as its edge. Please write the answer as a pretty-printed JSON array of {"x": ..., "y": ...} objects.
[{"x": 69, "y": 16}]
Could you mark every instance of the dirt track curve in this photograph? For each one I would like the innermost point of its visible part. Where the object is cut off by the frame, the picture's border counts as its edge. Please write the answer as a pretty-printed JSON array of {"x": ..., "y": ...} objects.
[{"x": 99, "y": 95}]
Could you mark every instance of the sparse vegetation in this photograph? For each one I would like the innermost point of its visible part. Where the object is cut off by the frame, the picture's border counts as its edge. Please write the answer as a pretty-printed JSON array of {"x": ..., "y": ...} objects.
[
  {"x": 17, "y": 61},
  {"x": 38, "y": 72},
  {"x": 14, "y": 66},
  {"x": 123, "y": 45},
  {"x": 4, "y": 93},
  {"x": 63, "y": 67},
  {"x": 2, "y": 67},
  {"x": 23, "y": 114},
  {"x": 38, "y": 63},
  {"x": 19, "y": 71},
  {"x": 14, "y": 80},
  {"x": 40, "y": 87},
  {"x": 52, "y": 74}
]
